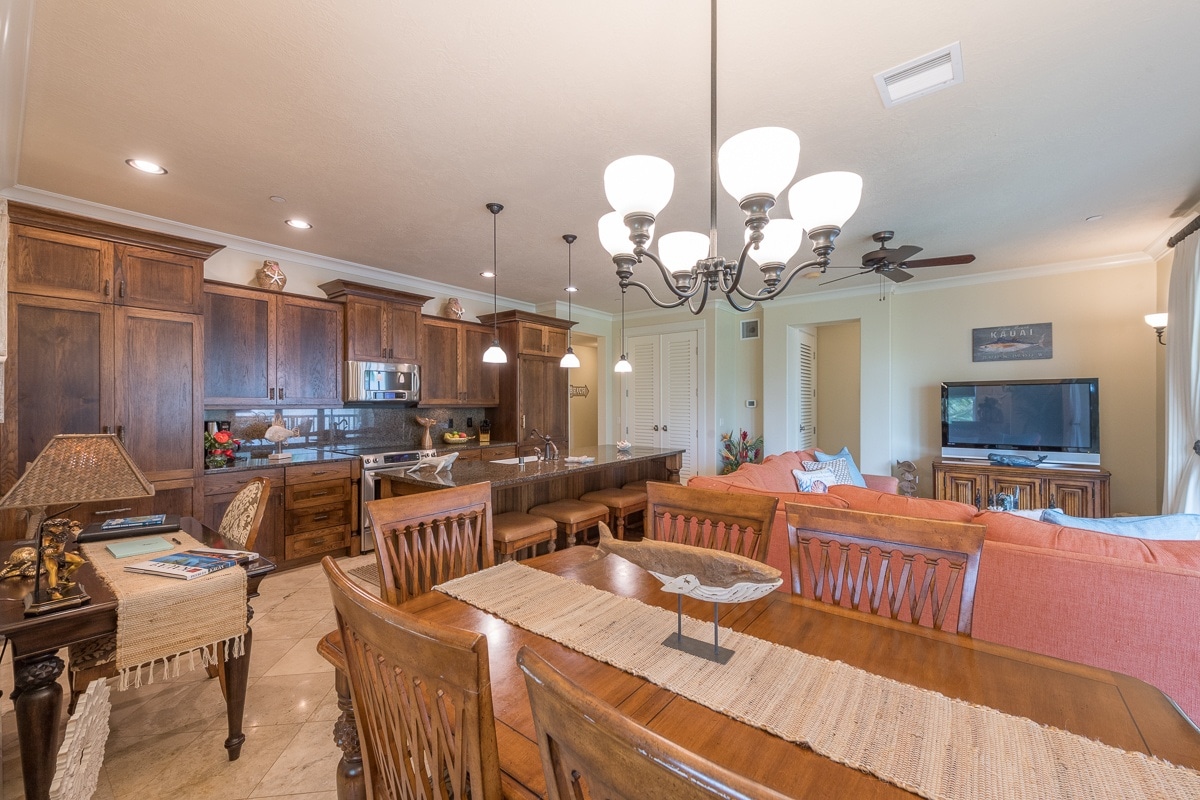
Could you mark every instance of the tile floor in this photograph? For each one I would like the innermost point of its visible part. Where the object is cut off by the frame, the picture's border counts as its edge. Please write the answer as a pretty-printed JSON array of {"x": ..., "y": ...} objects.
[{"x": 167, "y": 740}]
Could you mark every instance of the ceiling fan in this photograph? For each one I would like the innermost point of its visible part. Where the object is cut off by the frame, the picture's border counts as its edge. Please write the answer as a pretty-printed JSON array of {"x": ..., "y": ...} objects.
[{"x": 893, "y": 262}]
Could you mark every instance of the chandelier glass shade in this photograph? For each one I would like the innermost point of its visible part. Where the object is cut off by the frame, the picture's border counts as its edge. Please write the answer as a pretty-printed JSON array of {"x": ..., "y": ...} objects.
[{"x": 755, "y": 168}]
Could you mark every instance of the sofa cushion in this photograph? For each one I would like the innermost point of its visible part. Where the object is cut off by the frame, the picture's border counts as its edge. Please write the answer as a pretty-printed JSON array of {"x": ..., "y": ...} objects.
[
  {"x": 839, "y": 466},
  {"x": 1174, "y": 527},
  {"x": 1002, "y": 527},
  {"x": 882, "y": 503},
  {"x": 856, "y": 477},
  {"x": 815, "y": 480}
]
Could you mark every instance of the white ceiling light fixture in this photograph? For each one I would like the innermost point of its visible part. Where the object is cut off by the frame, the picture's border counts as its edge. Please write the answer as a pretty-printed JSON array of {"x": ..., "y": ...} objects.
[
  {"x": 755, "y": 167},
  {"x": 299, "y": 224},
  {"x": 623, "y": 364},
  {"x": 494, "y": 354},
  {"x": 569, "y": 359},
  {"x": 930, "y": 73},
  {"x": 149, "y": 167}
]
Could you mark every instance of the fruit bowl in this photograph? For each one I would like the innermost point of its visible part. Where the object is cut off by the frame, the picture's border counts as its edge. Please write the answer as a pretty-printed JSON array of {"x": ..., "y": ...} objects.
[{"x": 455, "y": 438}]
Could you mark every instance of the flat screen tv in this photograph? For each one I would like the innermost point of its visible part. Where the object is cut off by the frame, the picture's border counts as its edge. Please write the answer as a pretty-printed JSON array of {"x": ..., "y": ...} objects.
[{"x": 1059, "y": 419}]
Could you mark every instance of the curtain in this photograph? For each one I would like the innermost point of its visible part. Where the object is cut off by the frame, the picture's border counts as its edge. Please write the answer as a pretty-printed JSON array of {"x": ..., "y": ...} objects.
[{"x": 1181, "y": 490}]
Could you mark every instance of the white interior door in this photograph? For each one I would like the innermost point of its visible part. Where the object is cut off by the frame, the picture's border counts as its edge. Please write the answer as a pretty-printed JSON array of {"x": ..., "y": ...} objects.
[
  {"x": 642, "y": 398},
  {"x": 806, "y": 392},
  {"x": 661, "y": 404}
]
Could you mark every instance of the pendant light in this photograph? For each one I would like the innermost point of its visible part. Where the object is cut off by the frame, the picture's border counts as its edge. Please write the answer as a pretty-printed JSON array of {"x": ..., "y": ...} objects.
[
  {"x": 494, "y": 354},
  {"x": 569, "y": 360},
  {"x": 623, "y": 365}
]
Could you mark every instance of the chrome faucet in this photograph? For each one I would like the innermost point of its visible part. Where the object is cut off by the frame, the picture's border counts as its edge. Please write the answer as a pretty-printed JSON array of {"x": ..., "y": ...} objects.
[{"x": 551, "y": 452}]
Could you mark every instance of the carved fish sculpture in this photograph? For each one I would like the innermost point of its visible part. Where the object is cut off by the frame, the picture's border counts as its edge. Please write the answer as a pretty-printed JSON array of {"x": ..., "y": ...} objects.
[
  {"x": 710, "y": 575},
  {"x": 436, "y": 463},
  {"x": 1015, "y": 461}
]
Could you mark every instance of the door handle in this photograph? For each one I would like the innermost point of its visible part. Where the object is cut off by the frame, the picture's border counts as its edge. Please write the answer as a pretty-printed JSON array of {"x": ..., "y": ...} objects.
[
  {"x": 664, "y": 428},
  {"x": 121, "y": 291},
  {"x": 104, "y": 429},
  {"x": 280, "y": 392},
  {"x": 271, "y": 393},
  {"x": 121, "y": 433},
  {"x": 655, "y": 427},
  {"x": 107, "y": 287}
]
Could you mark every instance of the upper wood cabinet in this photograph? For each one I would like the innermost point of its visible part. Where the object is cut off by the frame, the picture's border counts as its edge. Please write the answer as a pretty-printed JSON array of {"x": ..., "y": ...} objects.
[
  {"x": 541, "y": 340},
  {"x": 268, "y": 348},
  {"x": 61, "y": 255},
  {"x": 381, "y": 324},
  {"x": 452, "y": 368}
]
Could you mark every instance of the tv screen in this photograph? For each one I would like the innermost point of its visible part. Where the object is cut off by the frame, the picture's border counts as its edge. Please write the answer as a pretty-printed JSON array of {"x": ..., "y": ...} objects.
[{"x": 1059, "y": 418}]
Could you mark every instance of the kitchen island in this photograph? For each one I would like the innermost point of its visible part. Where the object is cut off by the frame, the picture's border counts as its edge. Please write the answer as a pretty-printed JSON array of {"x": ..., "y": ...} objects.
[{"x": 519, "y": 488}]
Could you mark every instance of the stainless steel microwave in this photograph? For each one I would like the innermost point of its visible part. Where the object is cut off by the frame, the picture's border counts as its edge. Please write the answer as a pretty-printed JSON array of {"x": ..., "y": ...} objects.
[{"x": 377, "y": 382}]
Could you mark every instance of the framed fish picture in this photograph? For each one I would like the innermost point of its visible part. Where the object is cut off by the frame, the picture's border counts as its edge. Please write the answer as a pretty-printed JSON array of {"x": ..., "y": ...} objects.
[{"x": 1013, "y": 342}]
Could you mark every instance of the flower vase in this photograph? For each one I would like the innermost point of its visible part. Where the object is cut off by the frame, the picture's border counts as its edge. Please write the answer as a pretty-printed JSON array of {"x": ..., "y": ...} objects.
[{"x": 215, "y": 460}]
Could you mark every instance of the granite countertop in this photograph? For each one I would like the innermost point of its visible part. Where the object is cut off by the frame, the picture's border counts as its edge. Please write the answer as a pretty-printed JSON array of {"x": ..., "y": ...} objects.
[
  {"x": 472, "y": 444},
  {"x": 463, "y": 473},
  {"x": 300, "y": 455}
]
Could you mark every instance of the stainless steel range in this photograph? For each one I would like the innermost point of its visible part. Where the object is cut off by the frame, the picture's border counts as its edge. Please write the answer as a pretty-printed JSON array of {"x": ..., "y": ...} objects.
[{"x": 376, "y": 458}]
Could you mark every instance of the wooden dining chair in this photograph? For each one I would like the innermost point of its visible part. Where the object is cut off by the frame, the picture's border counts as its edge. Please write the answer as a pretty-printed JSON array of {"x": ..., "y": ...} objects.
[
  {"x": 904, "y": 568},
  {"x": 422, "y": 696},
  {"x": 735, "y": 523},
  {"x": 424, "y": 539},
  {"x": 95, "y": 659},
  {"x": 589, "y": 749},
  {"x": 421, "y": 540}
]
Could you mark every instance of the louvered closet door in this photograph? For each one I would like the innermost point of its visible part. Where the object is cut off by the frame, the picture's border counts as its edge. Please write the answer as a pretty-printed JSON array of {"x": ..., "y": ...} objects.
[
  {"x": 642, "y": 387},
  {"x": 806, "y": 393},
  {"x": 679, "y": 403}
]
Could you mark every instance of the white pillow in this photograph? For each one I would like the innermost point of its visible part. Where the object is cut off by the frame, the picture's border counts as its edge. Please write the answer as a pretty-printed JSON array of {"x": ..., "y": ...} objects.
[
  {"x": 816, "y": 480},
  {"x": 839, "y": 466}
]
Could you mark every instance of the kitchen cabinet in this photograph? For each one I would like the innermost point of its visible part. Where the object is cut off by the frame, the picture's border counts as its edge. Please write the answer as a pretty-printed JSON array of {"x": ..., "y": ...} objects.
[
  {"x": 381, "y": 324},
  {"x": 541, "y": 340},
  {"x": 452, "y": 368},
  {"x": 268, "y": 348},
  {"x": 74, "y": 258},
  {"x": 534, "y": 390},
  {"x": 1076, "y": 490},
  {"x": 83, "y": 362}
]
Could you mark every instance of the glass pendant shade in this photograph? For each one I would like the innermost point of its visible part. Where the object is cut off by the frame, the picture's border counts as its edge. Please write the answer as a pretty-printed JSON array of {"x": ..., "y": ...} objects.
[
  {"x": 570, "y": 360},
  {"x": 759, "y": 161},
  {"x": 495, "y": 354},
  {"x": 828, "y": 198},
  {"x": 623, "y": 365},
  {"x": 639, "y": 184},
  {"x": 1156, "y": 320},
  {"x": 679, "y": 251},
  {"x": 781, "y": 239}
]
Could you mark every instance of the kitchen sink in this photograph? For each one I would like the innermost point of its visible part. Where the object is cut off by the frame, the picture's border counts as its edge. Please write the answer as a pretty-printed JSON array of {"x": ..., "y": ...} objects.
[{"x": 515, "y": 461}]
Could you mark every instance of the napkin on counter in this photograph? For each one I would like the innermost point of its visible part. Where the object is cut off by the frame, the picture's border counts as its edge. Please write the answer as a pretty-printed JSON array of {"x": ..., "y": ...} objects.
[{"x": 579, "y": 459}]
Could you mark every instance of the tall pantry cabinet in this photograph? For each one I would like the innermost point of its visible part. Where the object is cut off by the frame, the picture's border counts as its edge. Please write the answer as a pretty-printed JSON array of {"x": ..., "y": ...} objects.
[{"x": 105, "y": 335}]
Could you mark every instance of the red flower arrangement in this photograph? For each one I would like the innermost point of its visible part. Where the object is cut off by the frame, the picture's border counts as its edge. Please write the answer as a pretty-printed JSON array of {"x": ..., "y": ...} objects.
[{"x": 219, "y": 445}]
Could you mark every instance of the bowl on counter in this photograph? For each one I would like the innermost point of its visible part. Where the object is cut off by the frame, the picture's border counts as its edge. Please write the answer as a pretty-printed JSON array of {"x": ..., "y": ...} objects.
[{"x": 448, "y": 439}]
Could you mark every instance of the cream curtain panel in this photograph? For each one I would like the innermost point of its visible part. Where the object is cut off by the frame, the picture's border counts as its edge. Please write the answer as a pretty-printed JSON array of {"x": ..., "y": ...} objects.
[{"x": 1181, "y": 490}]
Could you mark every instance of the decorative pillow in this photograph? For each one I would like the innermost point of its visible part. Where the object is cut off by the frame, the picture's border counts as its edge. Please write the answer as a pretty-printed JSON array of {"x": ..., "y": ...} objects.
[
  {"x": 839, "y": 466},
  {"x": 1170, "y": 527},
  {"x": 818, "y": 480},
  {"x": 856, "y": 477}
]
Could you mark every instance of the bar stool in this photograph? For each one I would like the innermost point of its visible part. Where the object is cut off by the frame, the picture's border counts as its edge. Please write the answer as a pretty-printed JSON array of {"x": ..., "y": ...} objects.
[
  {"x": 572, "y": 516},
  {"x": 621, "y": 504},
  {"x": 639, "y": 486},
  {"x": 513, "y": 532}
]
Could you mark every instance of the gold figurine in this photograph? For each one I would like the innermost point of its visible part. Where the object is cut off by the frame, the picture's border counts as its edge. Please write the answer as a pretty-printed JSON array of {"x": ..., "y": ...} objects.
[
  {"x": 21, "y": 562},
  {"x": 58, "y": 563}
]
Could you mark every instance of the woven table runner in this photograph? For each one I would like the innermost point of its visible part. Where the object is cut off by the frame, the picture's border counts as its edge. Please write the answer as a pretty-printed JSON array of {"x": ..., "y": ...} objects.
[
  {"x": 945, "y": 749},
  {"x": 165, "y": 619}
]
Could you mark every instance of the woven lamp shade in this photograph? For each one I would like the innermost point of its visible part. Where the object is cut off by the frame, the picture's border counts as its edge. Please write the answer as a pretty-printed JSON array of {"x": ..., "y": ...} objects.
[{"x": 77, "y": 468}]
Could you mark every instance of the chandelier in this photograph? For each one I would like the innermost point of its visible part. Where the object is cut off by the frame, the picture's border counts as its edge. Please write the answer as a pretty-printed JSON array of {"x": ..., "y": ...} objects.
[{"x": 755, "y": 166}]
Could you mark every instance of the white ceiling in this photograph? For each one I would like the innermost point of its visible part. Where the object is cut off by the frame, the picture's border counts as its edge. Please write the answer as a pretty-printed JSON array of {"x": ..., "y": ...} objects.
[{"x": 390, "y": 124}]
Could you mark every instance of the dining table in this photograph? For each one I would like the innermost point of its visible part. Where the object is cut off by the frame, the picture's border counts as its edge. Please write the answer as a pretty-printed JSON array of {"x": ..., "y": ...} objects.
[{"x": 1105, "y": 706}]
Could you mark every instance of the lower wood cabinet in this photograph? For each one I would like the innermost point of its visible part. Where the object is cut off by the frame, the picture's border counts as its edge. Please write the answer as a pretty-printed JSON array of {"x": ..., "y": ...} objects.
[
  {"x": 311, "y": 511},
  {"x": 1077, "y": 491}
]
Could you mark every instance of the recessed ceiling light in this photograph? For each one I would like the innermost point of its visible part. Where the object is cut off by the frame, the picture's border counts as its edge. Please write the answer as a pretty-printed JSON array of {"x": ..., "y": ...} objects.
[
  {"x": 487, "y": 274},
  {"x": 277, "y": 199},
  {"x": 299, "y": 223},
  {"x": 145, "y": 166},
  {"x": 1094, "y": 218},
  {"x": 572, "y": 289}
]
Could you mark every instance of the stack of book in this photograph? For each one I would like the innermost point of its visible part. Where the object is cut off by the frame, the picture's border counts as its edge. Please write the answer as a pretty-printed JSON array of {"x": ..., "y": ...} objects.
[{"x": 195, "y": 563}]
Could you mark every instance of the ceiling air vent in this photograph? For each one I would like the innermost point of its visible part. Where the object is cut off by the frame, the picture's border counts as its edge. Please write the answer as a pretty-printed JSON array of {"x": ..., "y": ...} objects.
[{"x": 921, "y": 76}]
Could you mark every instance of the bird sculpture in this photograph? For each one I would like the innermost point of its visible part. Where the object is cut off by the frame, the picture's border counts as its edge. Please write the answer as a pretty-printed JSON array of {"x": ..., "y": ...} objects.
[{"x": 698, "y": 572}]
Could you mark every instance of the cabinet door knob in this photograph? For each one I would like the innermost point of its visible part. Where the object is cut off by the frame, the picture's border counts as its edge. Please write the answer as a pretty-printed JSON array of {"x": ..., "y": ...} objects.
[
  {"x": 121, "y": 291},
  {"x": 280, "y": 392},
  {"x": 271, "y": 393},
  {"x": 121, "y": 433},
  {"x": 107, "y": 287}
]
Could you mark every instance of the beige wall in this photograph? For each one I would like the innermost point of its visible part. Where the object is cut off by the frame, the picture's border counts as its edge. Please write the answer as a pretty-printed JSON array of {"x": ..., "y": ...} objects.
[
  {"x": 585, "y": 410},
  {"x": 838, "y": 388}
]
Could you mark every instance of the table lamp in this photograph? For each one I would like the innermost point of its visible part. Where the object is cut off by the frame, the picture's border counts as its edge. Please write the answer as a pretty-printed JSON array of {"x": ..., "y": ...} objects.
[{"x": 72, "y": 469}]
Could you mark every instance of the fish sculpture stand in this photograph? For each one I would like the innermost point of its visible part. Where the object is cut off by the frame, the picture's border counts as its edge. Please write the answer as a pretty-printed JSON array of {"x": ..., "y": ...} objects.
[
  {"x": 701, "y": 573},
  {"x": 1015, "y": 461},
  {"x": 436, "y": 463}
]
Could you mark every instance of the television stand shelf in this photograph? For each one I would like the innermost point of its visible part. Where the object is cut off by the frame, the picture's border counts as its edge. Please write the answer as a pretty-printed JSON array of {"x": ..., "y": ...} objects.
[{"x": 1075, "y": 490}]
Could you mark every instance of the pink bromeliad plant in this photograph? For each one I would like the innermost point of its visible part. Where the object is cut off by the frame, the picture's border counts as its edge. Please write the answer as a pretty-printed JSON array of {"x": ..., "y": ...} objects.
[{"x": 738, "y": 450}]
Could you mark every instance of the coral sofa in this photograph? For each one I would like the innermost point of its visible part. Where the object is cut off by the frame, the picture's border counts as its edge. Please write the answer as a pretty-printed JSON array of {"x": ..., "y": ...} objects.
[{"x": 1115, "y": 602}]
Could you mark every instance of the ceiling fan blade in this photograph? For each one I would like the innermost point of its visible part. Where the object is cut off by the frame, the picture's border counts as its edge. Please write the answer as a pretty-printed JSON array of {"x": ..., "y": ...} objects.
[
  {"x": 844, "y": 277},
  {"x": 939, "y": 262},
  {"x": 898, "y": 275},
  {"x": 903, "y": 253}
]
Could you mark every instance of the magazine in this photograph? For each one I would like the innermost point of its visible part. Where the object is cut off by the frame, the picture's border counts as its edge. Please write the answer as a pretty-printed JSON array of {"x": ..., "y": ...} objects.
[
  {"x": 132, "y": 522},
  {"x": 240, "y": 556},
  {"x": 183, "y": 565}
]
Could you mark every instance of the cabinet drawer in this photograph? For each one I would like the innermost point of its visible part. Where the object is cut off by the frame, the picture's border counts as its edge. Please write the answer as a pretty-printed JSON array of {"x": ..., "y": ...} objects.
[
  {"x": 309, "y": 519},
  {"x": 307, "y": 473},
  {"x": 493, "y": 453},
  {"x": 318, "y": 493},
  {"x": 233, "y": 481},
  {"x": 318, "y": 541}
]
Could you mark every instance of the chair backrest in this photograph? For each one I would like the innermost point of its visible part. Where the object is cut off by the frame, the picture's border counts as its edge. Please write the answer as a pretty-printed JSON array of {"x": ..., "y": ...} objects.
[
  {"x": 905, "y": 568},
  {"x": 243, "y": 516},
  {"x": 422, "y": 699},
  {"x": 589, "y": 749},
  {"x": 729, "y": 521},
  {"x": 424, "y": 539}
]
